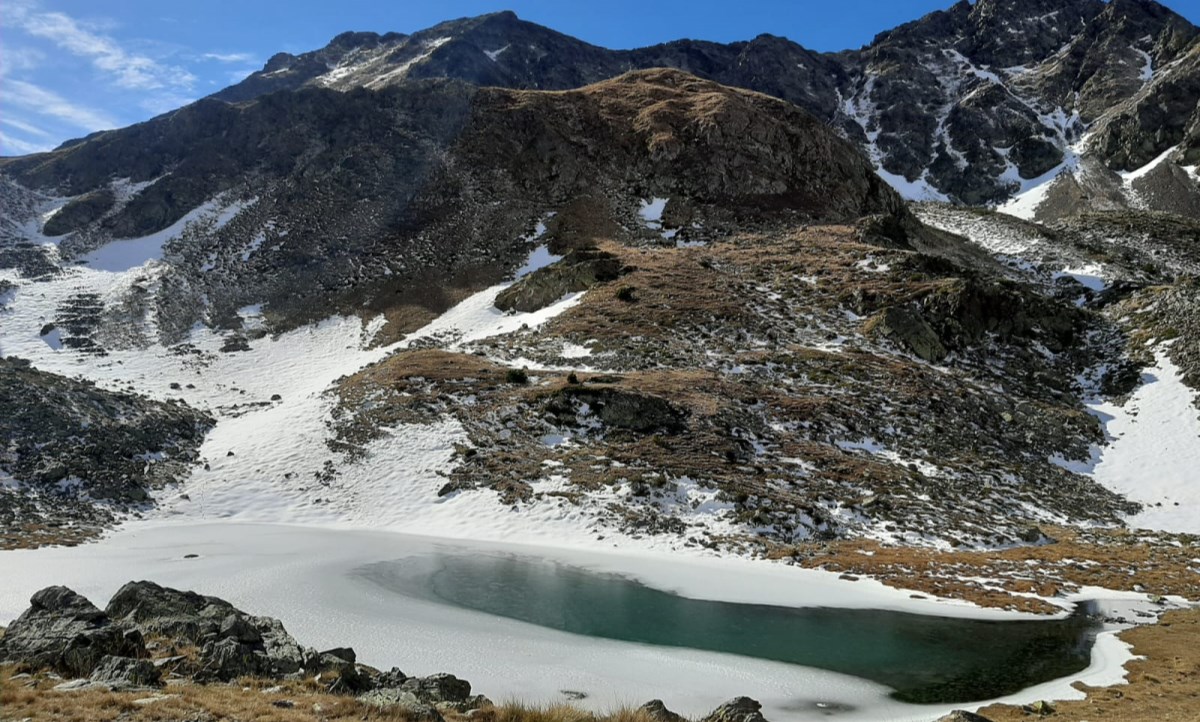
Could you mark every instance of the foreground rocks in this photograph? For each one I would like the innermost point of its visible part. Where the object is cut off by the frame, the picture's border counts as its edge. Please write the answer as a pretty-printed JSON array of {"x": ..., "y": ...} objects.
[
  {"x": 150, "y": 636},
  {"x": 148, "y": 629}
]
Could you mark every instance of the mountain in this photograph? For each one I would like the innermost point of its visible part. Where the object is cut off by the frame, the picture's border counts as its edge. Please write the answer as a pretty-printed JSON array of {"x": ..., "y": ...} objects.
[
  {"x": 974, "y": 104},
  {"x": 416, "y": 280},
  {"x": 388, "y": 198}
]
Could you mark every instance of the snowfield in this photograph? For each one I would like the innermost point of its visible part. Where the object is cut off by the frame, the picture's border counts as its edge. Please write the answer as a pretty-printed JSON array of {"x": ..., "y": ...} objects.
[
  {"x": 280, "y": 521},
  {"x": 1153, "y": 453}
]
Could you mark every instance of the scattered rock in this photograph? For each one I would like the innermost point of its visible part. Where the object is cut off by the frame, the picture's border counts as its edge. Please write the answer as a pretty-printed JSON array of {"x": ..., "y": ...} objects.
[
  {"x": 738, "y": 709},
  {"x": 1040, "y": 707},
  {"x": 960, "y": 715},
  {"x": 658, "y": 712}
]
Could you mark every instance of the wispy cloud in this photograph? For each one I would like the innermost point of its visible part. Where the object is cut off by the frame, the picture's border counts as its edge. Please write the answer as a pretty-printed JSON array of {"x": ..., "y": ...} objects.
[
  {"x": 126, "y": 69},
  {"x": 24, "y": 127},
  {"x": 229, "y": 57},
  {"x": 40, "y": 101},
  {"x": 10, "y": 145}
]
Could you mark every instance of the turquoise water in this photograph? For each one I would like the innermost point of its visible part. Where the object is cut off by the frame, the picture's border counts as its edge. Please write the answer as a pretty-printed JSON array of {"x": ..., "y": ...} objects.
[{"x": 924, "y": 659}]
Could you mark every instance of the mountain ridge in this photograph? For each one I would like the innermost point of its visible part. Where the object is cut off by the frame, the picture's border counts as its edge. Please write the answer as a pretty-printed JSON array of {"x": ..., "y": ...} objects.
[{"x": 919, "y": 99}]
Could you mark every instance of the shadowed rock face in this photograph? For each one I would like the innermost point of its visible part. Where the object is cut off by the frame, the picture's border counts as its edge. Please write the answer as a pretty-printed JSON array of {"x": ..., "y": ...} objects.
[
  {"x": 432, "y": 184},
  {"x": 951, "y": 98}
]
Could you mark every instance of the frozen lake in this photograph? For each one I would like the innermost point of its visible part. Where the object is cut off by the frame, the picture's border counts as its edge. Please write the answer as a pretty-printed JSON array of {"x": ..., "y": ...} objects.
[{"x": 532, "y": 622}]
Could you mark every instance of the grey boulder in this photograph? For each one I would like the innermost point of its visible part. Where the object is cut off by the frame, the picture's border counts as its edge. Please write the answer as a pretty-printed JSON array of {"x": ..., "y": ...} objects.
[
  {"x": 64, "y": 631},
  {"x": 738, "y": 709}
]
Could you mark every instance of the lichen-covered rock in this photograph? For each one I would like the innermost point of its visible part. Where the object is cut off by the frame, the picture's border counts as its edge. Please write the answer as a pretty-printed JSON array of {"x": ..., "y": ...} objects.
[
  {"x": 64, "y": 631},
  {"x": 441, "y": 687},
  {"x": 126, "y": 672},
  {"x": 738, "y": 709},
  {"x": 391, "y": 698}
]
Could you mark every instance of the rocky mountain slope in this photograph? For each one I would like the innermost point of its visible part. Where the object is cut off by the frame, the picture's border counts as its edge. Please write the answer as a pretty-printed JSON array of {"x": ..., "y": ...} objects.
[
  {"x": 410, "y": 293},
  {"x": 75, "y": 456},
  {"x": 974, "y": 104},
  {"x": 393, "y": 199}
]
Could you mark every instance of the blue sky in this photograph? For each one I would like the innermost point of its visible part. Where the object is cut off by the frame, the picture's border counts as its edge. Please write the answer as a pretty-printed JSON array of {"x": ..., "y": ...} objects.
[{"x": 69, "y": 67}]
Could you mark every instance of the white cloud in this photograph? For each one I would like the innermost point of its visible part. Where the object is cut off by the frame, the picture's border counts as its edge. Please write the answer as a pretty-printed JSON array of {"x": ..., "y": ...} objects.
[
  {"x": 17, "y": 146},
  {"x": 44, "y": 102},
  {"x": 127, "y": 70},
  {"x": 229, "y": 57},
  {"x": 19, "y": 58},
  {"x": 24, "y": 127}
]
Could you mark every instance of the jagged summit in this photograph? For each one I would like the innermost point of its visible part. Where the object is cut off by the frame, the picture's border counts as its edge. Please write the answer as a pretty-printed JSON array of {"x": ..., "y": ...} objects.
[{"x": 974, "y": 104}]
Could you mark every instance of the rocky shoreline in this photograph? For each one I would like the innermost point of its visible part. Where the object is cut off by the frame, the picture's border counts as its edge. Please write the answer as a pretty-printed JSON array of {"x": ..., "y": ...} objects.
[{"x": 155, "y": 641}]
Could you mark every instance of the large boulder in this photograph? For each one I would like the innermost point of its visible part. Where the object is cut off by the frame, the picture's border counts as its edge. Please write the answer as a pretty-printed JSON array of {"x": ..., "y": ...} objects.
[
  {"x": 657, "y": 711},
  {"x": 579, "y": 270},
  {"x": 738, "y": 709},
  {"x": 907, "y": 327},
  {"x": 154, "y": 609},
  {"x": 232, "y": 643},
  {"x": 62, "y": 630}
]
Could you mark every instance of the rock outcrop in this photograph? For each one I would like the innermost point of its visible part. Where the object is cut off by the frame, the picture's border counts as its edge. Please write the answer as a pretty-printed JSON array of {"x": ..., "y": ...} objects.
[
  {"x": 70, "y": 444},
  {"x": 64, "y": 632},
  {"x": 578, "y": 271}
]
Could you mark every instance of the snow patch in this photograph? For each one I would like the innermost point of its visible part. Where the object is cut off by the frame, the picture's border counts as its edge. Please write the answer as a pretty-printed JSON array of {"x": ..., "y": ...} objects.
[
  {"x": 1130, "y": 176},
  {"x": 124, "y": 254},
  {"x": 1153, "y": 450},
  {"x": 1147, "y": 71}
]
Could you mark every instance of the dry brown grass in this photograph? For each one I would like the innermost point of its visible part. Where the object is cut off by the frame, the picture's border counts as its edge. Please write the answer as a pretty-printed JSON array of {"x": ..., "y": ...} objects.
[
  {"x": 1115, "y": 559},
  {"x": 1163, "y": 685},
  {"x": 246, "y": 700},
  {"x": 34, "y": 535},
  {"x": 523, "y": 712}
]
